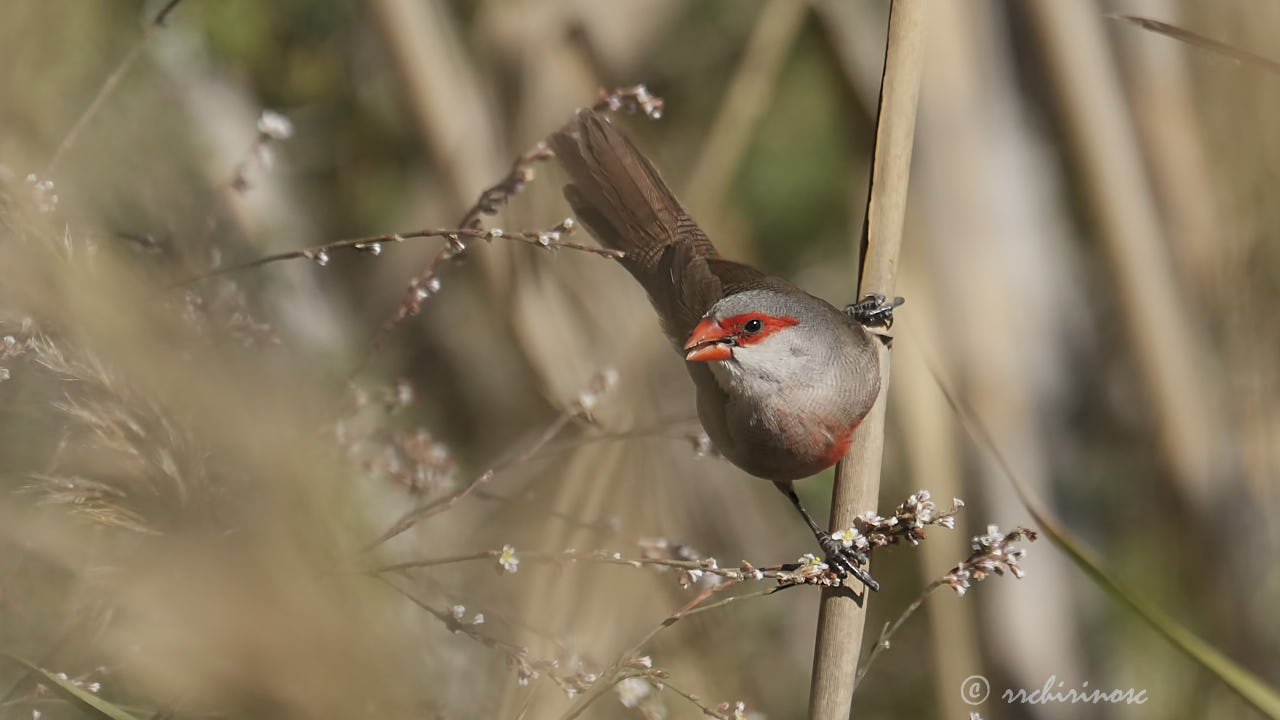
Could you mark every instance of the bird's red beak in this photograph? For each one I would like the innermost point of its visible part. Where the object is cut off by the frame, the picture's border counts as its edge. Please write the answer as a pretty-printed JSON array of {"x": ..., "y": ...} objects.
[{"x": 709, "y": 341}]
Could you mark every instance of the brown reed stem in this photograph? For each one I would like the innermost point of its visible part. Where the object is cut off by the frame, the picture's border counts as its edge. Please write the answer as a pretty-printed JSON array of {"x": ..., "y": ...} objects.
[{"x": 842, "y": 614}]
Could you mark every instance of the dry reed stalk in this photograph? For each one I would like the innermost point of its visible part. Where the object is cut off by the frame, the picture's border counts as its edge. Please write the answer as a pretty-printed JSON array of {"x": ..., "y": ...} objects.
[
  {"x": 1164, "y": 107},
  {"x": 1114, "y": 183},
  {"x": 857, "y": 483},
  {"x": 853, "y": 29},
  {"x": 934, "y": 459},
  {"x": 745, "y": 102},
  {"x": 992, "y": 213},
  {"x": 443, "y": 89},
  {"x": 108, "y": 86}
]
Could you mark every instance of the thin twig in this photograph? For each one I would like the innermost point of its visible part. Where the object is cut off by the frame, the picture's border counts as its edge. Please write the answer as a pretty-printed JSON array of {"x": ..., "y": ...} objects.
[
  {"x": 1201, "y": 41},
  {"x": 992, "y": 554},
  {"x": 440, "y": 505},
  {"x": 570, "y": 680},
  {"x": 108, "y": 86},
  {"x": 623, "y": 667},
  {"x": 433, "y": 562},
  {"x": 785, "y": 574},
  {"x": 372, "y": 245},
  {"x": 237, "y": 183},
  {"x": 616, "y": 673},
  {"x": 491, "y": 200},
  {"x": 454, "y": 625},
  {"x": 706, "y": 709},
  {"x": 495, "y": 197}
]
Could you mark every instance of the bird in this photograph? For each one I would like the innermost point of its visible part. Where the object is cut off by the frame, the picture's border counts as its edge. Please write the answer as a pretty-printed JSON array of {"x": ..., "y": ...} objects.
[{"x": 782, "y": 378}]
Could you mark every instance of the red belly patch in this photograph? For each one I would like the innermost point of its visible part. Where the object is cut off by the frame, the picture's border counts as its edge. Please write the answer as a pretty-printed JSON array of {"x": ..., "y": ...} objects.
[{"x": 839, "y": 446}]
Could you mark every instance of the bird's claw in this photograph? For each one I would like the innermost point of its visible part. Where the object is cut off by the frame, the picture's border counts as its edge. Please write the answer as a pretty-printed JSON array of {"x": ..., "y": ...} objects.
[
  {"x": 874, "y": 310},
  {"x": 845, "y": 561}
]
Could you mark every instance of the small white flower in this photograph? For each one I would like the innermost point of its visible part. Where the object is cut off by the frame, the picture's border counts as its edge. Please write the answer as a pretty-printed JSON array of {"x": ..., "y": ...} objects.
[
  {"x": 845, "y": 537},
  {"x": 690, "y": 577},
  {"x": 94, "y": 687},
  {"x": 43, "y": 193},
  {"x": 608, "y": 378},
  {"x": 458, "y": 611},
  {"x": 508, "y": 560},
  {"x": 701, "y": 444},
  {"x": 632, "y": 691},
  {"x": 275, "y": 125},
  {"x": 478, "y": 619}
]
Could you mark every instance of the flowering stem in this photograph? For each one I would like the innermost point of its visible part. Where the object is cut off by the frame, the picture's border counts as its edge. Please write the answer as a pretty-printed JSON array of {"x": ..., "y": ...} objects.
[
  {"x": 992, "y": 554},
  {"x": 891, "y": 628},
  {"x": 617, "y": 672},
  {"x": 436, "y": 507},
  {"x": 434, "y": 562},
  {"x": 317, "y": 252}
]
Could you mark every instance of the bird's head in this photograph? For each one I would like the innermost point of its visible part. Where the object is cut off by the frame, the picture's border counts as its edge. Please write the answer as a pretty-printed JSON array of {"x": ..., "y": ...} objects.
[{"x": 751, "y": 326}]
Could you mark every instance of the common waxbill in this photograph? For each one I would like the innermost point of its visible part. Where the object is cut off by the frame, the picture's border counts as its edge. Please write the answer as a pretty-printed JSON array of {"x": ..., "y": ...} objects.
[{"x": 783, "y": 378}]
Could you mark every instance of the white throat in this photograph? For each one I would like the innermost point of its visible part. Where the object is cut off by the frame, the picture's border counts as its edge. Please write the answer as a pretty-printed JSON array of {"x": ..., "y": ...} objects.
[{"x": 764, "y": 369}]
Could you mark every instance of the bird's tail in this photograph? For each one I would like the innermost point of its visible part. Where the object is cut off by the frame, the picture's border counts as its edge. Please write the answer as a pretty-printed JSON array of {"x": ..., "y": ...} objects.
[{"x": 620, "y": 197}]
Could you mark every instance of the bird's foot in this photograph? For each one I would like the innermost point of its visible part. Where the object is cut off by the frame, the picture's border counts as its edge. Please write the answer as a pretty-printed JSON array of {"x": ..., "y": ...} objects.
[
  {"x": 846, "y": 561},
  {"x": 874, "y": 311}
]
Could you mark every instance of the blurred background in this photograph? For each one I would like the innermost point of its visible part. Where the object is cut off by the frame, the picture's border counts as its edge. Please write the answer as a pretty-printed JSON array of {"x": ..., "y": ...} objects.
[{"x": 194, "y": 473}]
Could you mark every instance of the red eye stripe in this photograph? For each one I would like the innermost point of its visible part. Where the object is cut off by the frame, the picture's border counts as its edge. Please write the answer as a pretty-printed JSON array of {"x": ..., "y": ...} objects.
[{"x": 736, "y": 325}]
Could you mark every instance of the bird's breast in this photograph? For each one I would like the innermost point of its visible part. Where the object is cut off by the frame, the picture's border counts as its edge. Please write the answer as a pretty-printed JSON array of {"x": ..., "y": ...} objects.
[{"x": 779, "y": 437}]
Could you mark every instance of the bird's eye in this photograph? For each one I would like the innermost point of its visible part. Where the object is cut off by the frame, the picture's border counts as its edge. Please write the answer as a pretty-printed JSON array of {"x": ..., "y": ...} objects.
[{"x": 753, "y": 326}]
